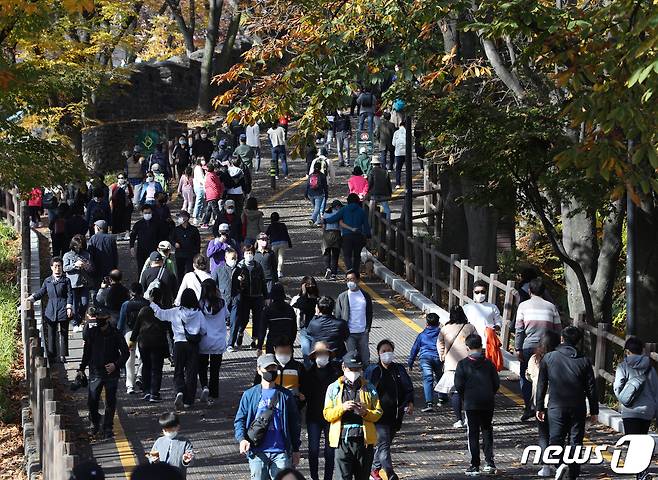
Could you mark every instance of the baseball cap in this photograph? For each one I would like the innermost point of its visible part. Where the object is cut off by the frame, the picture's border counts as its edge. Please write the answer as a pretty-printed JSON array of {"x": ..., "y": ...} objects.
[
  {"x": 97, "y": 312},
  {"x": 155, "y": 257},
  {"x": 223, "y": 227},
  {"x": 243, "y": 136},
  {"x": 353, "y": 360},
  {"x": 102, "y": 224},
  {"x": 266, "y": 360},
  {"x": 164, "y": 245},
  {"x": 155, "y": 167},
  {"x": 222, "y": 142},
  {"x": 375, "y": 160}
]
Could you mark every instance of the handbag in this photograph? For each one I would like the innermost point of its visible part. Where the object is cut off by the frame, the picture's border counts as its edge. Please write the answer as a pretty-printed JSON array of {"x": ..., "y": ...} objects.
[
  {"x": 191, "y": 337},
  {"x": 633, "y": 388},
  {"x": 258, "y": 428}
]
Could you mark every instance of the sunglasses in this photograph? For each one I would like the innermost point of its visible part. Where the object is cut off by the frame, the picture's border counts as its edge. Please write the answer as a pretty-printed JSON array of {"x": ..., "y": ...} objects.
[{"x": 480, "y": 291}]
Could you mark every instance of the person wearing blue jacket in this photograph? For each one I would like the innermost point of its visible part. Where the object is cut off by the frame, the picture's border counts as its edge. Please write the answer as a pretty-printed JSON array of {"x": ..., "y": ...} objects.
[
  {"x": 278, "y": 447},
  {"x": 355, "y": 230},
  {"x": 428, "y": 358},
  {"x": 396, "y": 396},
  {"x": 58, "y": 312}
]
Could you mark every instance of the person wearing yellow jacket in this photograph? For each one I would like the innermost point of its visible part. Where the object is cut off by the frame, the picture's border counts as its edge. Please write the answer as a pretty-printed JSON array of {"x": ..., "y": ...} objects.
[{"x": 352, "y": 407}]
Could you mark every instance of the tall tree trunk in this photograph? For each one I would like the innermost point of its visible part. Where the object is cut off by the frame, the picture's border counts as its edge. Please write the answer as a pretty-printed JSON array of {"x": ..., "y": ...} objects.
[
  {"x": 187, "y": 32},
  {"x": 647, "y": 271},
  {"x": 229, "y": 42},
  {"x": 454, "y": 230},
  {"x": 482, "y": 224},
  {"x": 212, "y": 34}
]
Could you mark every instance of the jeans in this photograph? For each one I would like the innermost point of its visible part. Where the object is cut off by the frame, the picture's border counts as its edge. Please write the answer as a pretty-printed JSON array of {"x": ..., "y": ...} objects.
[
  {"x": 431, "y": 367},
  {"x": 387, "y": 152},
  {"x": 265, "y": 466},
  {"x": 331, "y": 259},
  {"x": 215, "y": 363},
  {"x": 95, "y": 388},
  {"x": 382, "y": 460},
  {"x": 152, "y": 361},
  {"x": 353, "y": 459},
  {"x": 200, "y": 194},
  {"x": 306, "y": 344},
  {"x": 352, "y": 246},
  {"x": 571, "y": 422},
  {"x": 525, "y": 384},
  {"x": 362, "y": 120},
  {"x": 477, "y": 420},
  {"x": 279, "y": 152},
  {"x": 280, "y": 249},
  {"x": 212, "y": 209},
  {"x": 133, "y": 365},
  {"x": 233, "y": 311},
  {"x": 383, "y": 202},
  {"x": 253, "y": 305},
  {"x": 399, "y": 163},
  {"x": 318, "y": 207},
  {"x": 186, "y": 368},
  {"x": 343, "y": 147},
  {"x": 359, "y": 342},
  {"x": 315, "y": 431},
  {"x": 80, "y": 304}
]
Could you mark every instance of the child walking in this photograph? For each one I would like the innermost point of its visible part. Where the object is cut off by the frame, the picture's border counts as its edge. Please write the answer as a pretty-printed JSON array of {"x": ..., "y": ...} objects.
[
  {"x": 428, "y": 357},
  {"x": 186, "y": 190},
  {"x": 172, "y": 448}
]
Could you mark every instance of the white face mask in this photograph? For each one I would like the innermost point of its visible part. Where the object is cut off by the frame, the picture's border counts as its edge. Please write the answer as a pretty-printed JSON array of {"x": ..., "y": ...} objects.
[
  {"x": 170, "y": 434},
  {"x": 150, "y": 179},
  {"x": 352, "y": 376},
  {"x": 262, "y": 243},
  {"x": 282, "y": 358},
  {"x": 180, "y": 220},
  {"x": 182, "y": 142},
  {"x": 203, "y": 162},
  {"x": 148, "y": 216},
  {"x": 248, "y": 257},
  {"x": 479, "y": 297},
  {"x": 322, "y": 360},
  {"x": 231, "y": 262},
  {"x": 204, "y": 135},
  {"x": 387, "y": 357},
  {"x": 230, "y": 209},
  {"x": 352, "y": 286}
]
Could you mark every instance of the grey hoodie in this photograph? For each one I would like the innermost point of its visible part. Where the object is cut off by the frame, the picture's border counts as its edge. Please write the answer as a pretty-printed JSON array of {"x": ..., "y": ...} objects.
[
  {"x": 171, "y": 451},
  {"x": 645, "y": 405}
]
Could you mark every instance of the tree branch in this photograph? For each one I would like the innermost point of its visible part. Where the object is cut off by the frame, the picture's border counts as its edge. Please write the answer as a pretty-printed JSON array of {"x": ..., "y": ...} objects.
[{"x": 507, "y": 77}]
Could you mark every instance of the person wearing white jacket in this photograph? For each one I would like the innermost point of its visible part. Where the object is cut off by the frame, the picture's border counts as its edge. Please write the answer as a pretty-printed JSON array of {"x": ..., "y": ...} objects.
[
  {"x": 185, "y": 320},
  {"x": 326, "y": 166},
  {"x": 213, "y": 341},
  {"x": 400, "y": 145},
  {"x": 194, "y": 278}
]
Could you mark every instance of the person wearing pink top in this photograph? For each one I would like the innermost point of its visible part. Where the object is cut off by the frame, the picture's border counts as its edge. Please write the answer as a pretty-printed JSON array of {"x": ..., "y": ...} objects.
[{"x": 358, "y": 184}]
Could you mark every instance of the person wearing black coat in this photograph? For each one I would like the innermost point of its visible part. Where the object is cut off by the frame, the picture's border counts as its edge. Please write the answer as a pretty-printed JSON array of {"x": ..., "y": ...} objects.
[
  {"x": 187, "y": 241},
  {"x": 146, "y": 232},
  {"x": 158, "y": 270},
  {"x": 279, "y": 319},
  {"x": 477, "y": 381},
  {"x": 228, "y": 216},
  {"x": 319, "y": 376},
  {"x": 105, "y": 352},
  {"x": 227, "y": 279},
  {"x": 253, "y": 290},
  {"x": 103, "y": 250},
  {"x": 324, "y": 327},
  {"x": 569, "y": 376},
  {"x": 203, "y": 146},
  {"x": 58, "y": 312},
  {"x": 150, "y": 335},
  {"x": 267, "y": 259}
]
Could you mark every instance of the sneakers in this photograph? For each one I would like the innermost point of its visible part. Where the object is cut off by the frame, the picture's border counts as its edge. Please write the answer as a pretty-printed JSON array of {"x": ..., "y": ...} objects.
[
  {"x": 279, "y": 275},
  {"x": 154, "y": 399},
  {"x": 230, "y": 349},
  {"x": 93, "y": 430},
  {"x": 138, "y": 384},
  {"x": 489, "y": 469},
  {"x": 327, "y": 274},
  {"x": 333, "y": 276},
  {"x": 374, "y": 475},
  {"x": 459, "y": 424},
  {"x": 211, "y": 402},
  {"x": 398, "y": 187},
  {"x": 528, "y": 413},
  {"x": 187, "y": 405},
  {"x": 77, "y": 328},
  {"x": 178, "y": 402},
  {"x": 146, "y": 397},
  {"x": 562, "y": 472},
  {"x": 204, "y": 394},
  {"x": 252, "y": 345},
  {"x": 130, "y": 391},
  {"x": 545, "y": 471},
  {"x": 428, "y": 408},
  {"x": 472, "y": 471}
]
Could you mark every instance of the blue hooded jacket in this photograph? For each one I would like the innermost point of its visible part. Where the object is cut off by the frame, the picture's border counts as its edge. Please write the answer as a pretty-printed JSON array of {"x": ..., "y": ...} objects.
[
  {"x": 353, "y": 215},
  {"x": 425, "y": 344}
]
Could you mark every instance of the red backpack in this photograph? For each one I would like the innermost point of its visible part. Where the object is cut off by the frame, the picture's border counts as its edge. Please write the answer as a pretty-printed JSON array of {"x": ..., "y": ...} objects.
[{"x": 314, "y": 181}]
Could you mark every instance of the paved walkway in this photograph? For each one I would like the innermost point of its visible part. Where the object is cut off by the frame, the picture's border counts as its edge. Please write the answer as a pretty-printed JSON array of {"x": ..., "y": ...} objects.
[{"x": 427, "y": 447}]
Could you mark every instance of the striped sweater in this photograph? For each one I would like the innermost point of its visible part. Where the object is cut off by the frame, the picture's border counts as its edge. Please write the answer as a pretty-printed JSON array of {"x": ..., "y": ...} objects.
[{"x": 533, "y": 318}]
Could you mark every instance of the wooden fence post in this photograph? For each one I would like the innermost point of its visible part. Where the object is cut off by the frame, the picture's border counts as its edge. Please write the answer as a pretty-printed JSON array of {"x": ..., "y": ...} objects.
[
  {"x": 493, "y": 290},
  {"x": 463, "y": 281},
  {"x": 453, "y": 280}
]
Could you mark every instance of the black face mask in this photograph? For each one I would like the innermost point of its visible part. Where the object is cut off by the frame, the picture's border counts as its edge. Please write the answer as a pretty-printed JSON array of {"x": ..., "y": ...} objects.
[{"x": 270, "y": 376}]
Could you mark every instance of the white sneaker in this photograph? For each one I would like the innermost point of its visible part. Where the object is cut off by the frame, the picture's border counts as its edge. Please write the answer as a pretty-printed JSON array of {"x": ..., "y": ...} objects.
[
  {"x": 230, "y": 349},
  {"x": 77, "y": 328},
  {"x": 204, "y": 394},
  {"x": 178, "y": 403},
  {"x": 211, "y": 402},
  {"x": 562, "y": 472},
  {"x": 545, "y": 471},
  {"x": 459, "y": 424}
]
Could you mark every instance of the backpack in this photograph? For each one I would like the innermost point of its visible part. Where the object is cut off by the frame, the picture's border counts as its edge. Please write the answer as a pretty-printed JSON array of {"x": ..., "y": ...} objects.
[
  {"x": 314, "y": 181},
  {"x": 633, "y": 388},
  {"x": 367, "y": 100},
  {"x": 154, "y": 284},
  {"x": 49, "y": 201}
]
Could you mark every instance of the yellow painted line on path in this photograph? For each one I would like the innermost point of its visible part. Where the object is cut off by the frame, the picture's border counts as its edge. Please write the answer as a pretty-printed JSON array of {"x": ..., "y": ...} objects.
[
  {"x": 125, "y": 449},
  {"x": 275, "y": 196},
  {"x": 399, "y": 192}
]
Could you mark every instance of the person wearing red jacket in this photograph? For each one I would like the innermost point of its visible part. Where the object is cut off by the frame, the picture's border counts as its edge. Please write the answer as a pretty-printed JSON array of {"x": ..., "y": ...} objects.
[{"x": 214, "y": 193}]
